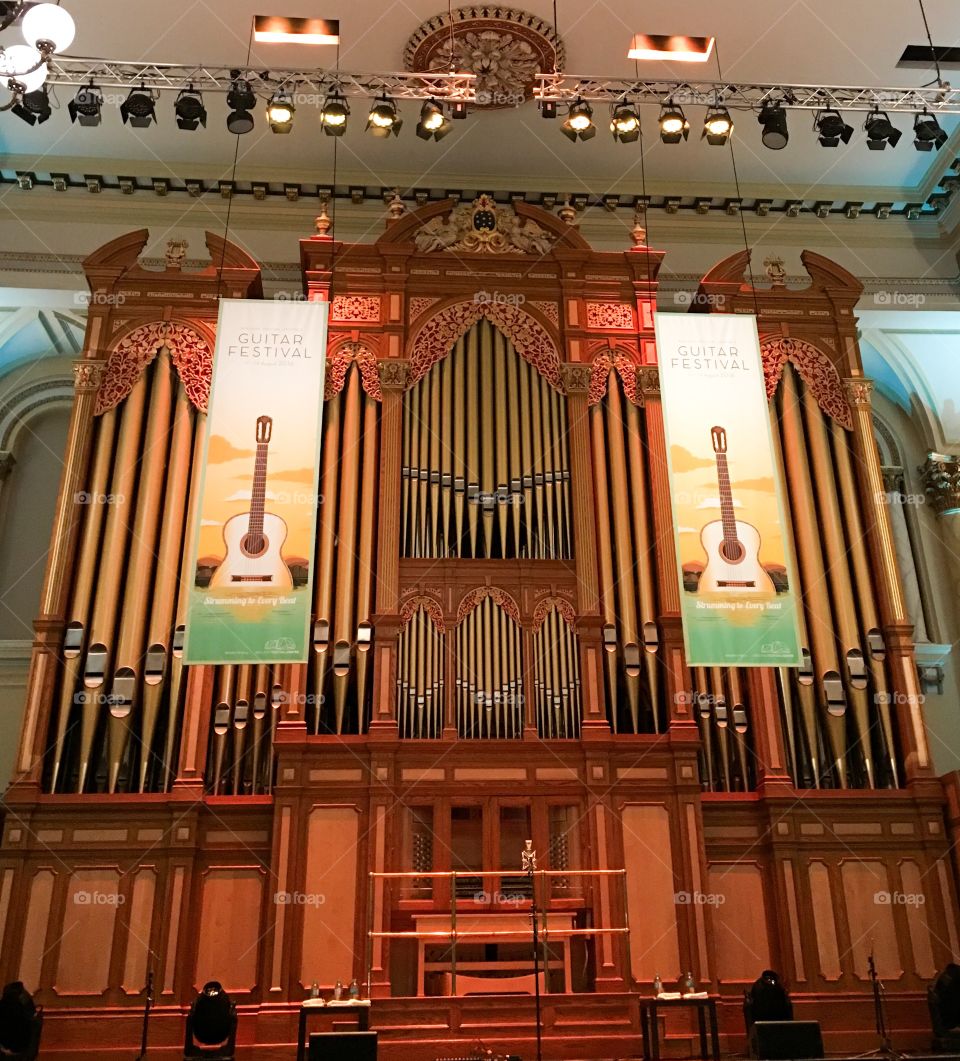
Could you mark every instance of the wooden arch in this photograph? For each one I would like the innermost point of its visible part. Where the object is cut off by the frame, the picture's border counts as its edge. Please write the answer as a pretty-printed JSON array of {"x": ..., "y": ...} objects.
[
  {"x": 815, "y": 369},
  {"x": 475, "y": 596}
]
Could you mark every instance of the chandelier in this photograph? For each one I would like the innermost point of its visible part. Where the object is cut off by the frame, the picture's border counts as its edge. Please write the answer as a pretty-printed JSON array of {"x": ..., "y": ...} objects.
[{"x": 47, "y": 29}]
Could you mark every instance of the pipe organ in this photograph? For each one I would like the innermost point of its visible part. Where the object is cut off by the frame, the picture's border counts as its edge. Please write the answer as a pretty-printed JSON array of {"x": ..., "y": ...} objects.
[{"x": 496, "y": 656}]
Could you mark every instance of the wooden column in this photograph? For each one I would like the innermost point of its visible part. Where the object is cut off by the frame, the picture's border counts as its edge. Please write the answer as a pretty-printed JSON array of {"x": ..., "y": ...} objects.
[{"x": 48, "y": 628}]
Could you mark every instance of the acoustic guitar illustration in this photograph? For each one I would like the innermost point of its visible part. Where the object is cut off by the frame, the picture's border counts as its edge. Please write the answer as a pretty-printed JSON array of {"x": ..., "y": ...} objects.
[
  {"x": 732, "y": 546},
  {"x": 254, "y": 539}
]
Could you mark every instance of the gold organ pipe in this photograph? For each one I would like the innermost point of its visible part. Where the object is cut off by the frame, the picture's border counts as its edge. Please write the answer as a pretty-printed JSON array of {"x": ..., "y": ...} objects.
[
  {"x": 367, "y": 558},
  {"x": 604, "y": 552},
  {"x": 474, "y": 418},
  {"x": 403, "y": 684},
  {"x": 435, "y": 530},
  {"x": 488, "y": 438},
  {"x": 461, "y": 476},
  {"x": 75, "y": 642},
  {"x": 225, "y": 677},
  {"x": 423, "y": 488},
  {"x": 407, "y": 473},
  {"x": 261, "y": 705},
  {"x": 516, "y": 458},
  {"x": 705, "y": 721},
  {"x": 416, "y": 460},
  {"x": 629, "y": 639},
  {"x": 865, "y": 590},
  {"x": 526, "y": 458},
  {"x": 812, "y": 569},
  {"x": 739, "y": 740},
  {"x": 721, "y": 714},
  {"x": 502, "y": 485},
  {"x": 347, "y": 556},
  {"x": 329, "y": 484},
  {"x": 485, "y": 664},
  {"x": 172, "y": 538},
  {"x": 426, "y": 673},
  {"x": 549, "y": 468},
  {"x": 238, "y": 731},
  {"x": 538, "y": 466},
  {"x": 140, "y": 575},
  {"x": 446, "y": 455},
  {"x": 839, "y": 575}
]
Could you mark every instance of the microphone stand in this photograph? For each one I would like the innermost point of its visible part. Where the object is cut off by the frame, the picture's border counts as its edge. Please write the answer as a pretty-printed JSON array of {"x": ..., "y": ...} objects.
[
  {"x": 529, "y": 864},
  {"x": 146, "y": 1016},
  {"x": 886, "y": 1049}
]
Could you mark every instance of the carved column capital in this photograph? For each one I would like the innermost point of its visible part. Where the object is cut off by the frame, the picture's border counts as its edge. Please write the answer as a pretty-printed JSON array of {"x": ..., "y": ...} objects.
[
  {"x": 576, "y": 378},
  {"x": 940, "y": 474},
  {"x": 394, "y": 374},
  {"x": 648, "y": 381},
  {"x": 87, "y": 376},
  {"x": 858, "y": 391}
]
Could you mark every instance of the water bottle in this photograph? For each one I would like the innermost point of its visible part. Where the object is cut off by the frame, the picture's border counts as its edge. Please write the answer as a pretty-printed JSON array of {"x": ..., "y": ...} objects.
[
  {"x": 689, "y": 984},
  {"x": 315, "y": 990},
  {"x": 657, "y": 986},
  {"x": 354, "y": 990},
  {"x": 338, "y": 991}
]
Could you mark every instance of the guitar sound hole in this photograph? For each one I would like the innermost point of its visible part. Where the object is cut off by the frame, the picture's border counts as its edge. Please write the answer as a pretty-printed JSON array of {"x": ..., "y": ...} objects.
[
  {"x": 732, "y": 552},
  {"x": 254, "y": 544}
]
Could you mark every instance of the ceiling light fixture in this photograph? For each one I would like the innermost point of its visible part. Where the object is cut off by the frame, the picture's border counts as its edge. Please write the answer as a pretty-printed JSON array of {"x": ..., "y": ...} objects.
[
  {"x": 717, "y": 126},
  {"x": 190, "y": 111},
  {"x": 334, "y": 114},
  {"x": 280, "y": 112},
  {"x": 433, "y": 123},
  {"x": 21, "y": 65},
  {"x": 85, "y": 108},
  {"x": 674, "y": 126},
  {"x": 139, "y": 108},
  {"x": 773, "y": 118},
  {"x": 383, "y": 118},
  {"x": 928, "y": 133},
  {"x": 49, "y": 28},
  {"x": 625, "y": 124},
  {"x": 881, "y": 131},
  {"x": 579, "y": 123},
  {"x": 241, "y": 100},
  {"x": 674, "y": 49},
  {"x": 831, "y": 128},
  {"x": 275, "y": 29}
]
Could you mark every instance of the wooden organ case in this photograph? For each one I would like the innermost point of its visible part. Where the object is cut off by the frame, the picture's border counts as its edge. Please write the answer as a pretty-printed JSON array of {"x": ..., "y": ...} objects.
[{"x": 497, "y": 656}]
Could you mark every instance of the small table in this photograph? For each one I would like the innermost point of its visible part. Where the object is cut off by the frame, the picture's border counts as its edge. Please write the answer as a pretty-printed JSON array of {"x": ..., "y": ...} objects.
[
  {"x": 317, "y": 1005},
  {"x": 651, "y": 1030}
]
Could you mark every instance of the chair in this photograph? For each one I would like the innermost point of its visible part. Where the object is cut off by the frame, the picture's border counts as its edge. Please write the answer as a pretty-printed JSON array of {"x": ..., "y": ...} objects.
[
  {"x": 21, "y": 1024},
  {"x": 211, "y": 1026},
  {"x": 943, "y": 998}
]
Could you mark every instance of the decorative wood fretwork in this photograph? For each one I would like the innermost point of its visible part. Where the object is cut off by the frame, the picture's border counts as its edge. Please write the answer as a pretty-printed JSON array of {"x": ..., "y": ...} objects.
[
  {"x": 359, "y": 309},
  {"x": 338, "y": 364},
  {"x": 475, "y": 596},
  {"x": 609, "y": 361},
  {"x": 189, "y": 350},
  {"x": 436, "y": 338},
  {"x": 394, "y": 375},
  {"x": 432, "y": 607},
  {"x": 610, "y": 316},
  {"x": 815, "y": 369},
  {"x": 564, "y": 608},
  {"x": 550, "y": 310},
  {"x": 419, "y": 306}
]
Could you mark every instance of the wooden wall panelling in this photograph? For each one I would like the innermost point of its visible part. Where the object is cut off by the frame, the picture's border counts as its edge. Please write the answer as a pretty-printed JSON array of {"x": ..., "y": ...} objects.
[
  {"x": 231, "y": 900},
  {"x": 736, "y": 895},
  {"x": 869, "y": 917},
  {"x": 88, "y": 931}
]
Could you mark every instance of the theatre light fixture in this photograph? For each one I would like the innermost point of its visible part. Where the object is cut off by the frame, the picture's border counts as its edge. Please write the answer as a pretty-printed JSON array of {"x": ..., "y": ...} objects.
[
  {"x": 139, "y": 108},
  {"x": 241, "y": 100},
  {"x": 433, "y": 124},
  {"x": 717, "y": 126},
  {"x": 674, "y": 126},
  {"x": 190, "y": 111},
  {"x": 773, "y": 119},
  {"x": 280, "y": 112},
  {"x": 881, "y": 131},
  {"x": 579, "y": 123},
  {"x": 831, "y": 128},
  {"x": 33, "y": 107},
  {"x": 928, "y": 133},
  {"x": 85, "y": 108},
  {"x": 625, "y": 124},
  {"x": 383, "y": 118},
  {"x": 333, "y": 116}
]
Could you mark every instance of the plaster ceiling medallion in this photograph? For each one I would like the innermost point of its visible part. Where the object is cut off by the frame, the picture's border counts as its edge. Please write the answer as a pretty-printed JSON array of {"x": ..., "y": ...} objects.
[{"x": 504, "y": 47}]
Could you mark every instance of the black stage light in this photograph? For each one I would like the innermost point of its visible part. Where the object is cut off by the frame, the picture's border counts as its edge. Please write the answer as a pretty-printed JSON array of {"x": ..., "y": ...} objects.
[
  {"x": 831, "y": 129},
  {"x": 21, "y": 1023},
  {"x": 579, "y": 124},
  {"x": 383, "y": 118},
  {"x": 773, "y": 118},
  {"x": 242, "y": 102},
  {"x": 548, "y": 108},
  {"x": 33, "y": 107},
  {"x": 928, "y": 133},
  {"x": 625, "y": 124},
  {"x": 86, "y": 106},
  {"x": 280, "y": 112},
  {"x": 139, "y": 108},
  {"x": 212, "y": 1022},
  {"x": 333, "y": 116},
  {"x": 717, "y": 126},
  {"x": 881, "y": 131},
  {"x": 190, "y": 111},
  {"x": 674, "y": 126},
  {"x": 433, "y": 122}
]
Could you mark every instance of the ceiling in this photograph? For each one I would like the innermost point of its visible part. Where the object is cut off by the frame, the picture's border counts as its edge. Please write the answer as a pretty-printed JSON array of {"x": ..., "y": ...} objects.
[{"x": 806, "y": 41}]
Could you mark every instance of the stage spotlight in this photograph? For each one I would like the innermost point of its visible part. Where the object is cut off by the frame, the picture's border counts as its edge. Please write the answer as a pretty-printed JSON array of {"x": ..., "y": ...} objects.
[
  {"x": 212, "y": 1022},
  {"x": 579, "y": 124},
  {"x": 433, "y": 122},
  {"x": 773, "y": 118},
  {"x": 383, "y": 118},
  {"x": 280, "y": 111},
  {"x": 674, "y": 126},
  {"x": 33, "y": 107},
  {"x": 241, "y": 101},
  {"x": 190, "y": 111},
  {"x": 85, "y": 108},
  {"x": 831, "y": 129},
  {"x": 928, "y": 133},
  {"x": 717, "y": 126},
  {"x": 880, "y": 131},
  {"x": 625, "y": 124},
  {"x": 333, "y": 116},
  {"x": 548, "y": 108},
  {"x": 138, "y": 108}
]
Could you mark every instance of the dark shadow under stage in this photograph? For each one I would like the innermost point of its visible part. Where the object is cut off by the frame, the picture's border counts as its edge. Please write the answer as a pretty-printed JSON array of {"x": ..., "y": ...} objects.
[{"x": 576, "y": 1027}]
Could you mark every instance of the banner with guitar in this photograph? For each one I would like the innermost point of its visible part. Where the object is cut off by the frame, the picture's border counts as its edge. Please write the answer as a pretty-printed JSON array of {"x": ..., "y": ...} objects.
[
  {"x": 256, "y": 510},
  {"x": 738, "y": 587}
]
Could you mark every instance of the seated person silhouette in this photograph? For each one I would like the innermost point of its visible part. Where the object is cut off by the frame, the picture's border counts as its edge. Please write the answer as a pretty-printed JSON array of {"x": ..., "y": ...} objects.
[
  {"x": 19, "y": 1023},
  {"x": 212, "y": 1023},
  {"x": 766, "y": 1000},
  {"x": 944, "y": 999}
]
